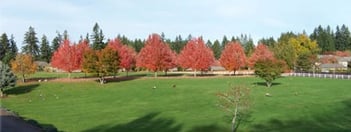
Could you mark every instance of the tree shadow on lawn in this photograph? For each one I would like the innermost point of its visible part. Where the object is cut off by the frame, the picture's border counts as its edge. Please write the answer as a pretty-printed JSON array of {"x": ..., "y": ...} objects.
[
  {"x": 338, "y": 121},
  {"x": 121, "y": 78},
  {"x": 21, "y": 89},
  {"x": 209, "y": 128},
  {"x": 264, "y": 84},
  {"x": 146, "y": 123}
]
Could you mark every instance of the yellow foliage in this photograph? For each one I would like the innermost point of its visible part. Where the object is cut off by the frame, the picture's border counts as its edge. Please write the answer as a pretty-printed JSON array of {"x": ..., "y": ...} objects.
[
  {"x": 23, "y": 65},
  {"x": 304, "y": 45}
]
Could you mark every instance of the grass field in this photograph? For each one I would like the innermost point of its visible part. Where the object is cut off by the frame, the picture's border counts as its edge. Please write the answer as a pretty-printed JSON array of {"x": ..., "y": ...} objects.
[{"x": 133, "y": 105}]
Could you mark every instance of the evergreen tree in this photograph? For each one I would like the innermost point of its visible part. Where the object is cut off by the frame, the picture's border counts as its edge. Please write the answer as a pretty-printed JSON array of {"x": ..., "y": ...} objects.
[
  {"x": 65, "y": 35},
  {"x": 224, "y": 42},
  {"x": 324, "y": 38},
  {"x": 97, "y": 38},
  {"x": 7, "y": 78},
  {"x": 11, "y": 51},
  {"x": 217, "y": 50},
  {"x": 87, "y": 38},
  {"x": 31, "y": 43},
  {"x": 342, "y": 38},
  {"x": 4, "y": 45},
  {"x": 45, "y": 50},
  {"x": 56, "y": 41},
  {"x": 209, "y": 43},
  {"x": 270, "y": 42}
]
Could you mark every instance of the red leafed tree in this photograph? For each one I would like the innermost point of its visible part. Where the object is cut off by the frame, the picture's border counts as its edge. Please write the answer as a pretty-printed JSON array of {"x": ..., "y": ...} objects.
[
  {"x": 196, "y": 55},
  {"x": 233, "y": 57},
  {"x": 156, "y": 55},
  {"x": 81, "y": 48},
  {"x": 127, "y": 54},
  {"x": 261, "y": 52},
  {"x": 66, "y": 57}
]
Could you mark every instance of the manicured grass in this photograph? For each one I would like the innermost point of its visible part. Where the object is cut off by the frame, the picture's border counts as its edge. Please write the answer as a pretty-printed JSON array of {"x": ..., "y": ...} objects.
[{"x": 133, "y": 105}]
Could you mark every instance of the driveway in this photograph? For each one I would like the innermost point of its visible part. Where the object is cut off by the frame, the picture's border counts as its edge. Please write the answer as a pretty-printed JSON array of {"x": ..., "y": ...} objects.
[{"x": 11, "y": 123}]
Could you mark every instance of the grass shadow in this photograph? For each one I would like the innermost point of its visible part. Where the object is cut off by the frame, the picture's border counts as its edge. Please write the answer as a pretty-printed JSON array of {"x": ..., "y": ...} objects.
[
  {"x": 21, "y": 89},
  {"x": 209, "y": 128},
  {"x": 147, "y": 123},
  {"x": 337, "y": 121}
]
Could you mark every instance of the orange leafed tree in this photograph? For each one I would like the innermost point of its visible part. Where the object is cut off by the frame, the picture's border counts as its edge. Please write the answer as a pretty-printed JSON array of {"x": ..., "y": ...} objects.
[
  {"x": 156, "y": 55},
  {"x": 233, "y": 57},
  {"x": 23, "y": 65},
  {"x": 196, "y": 55},
  {"x": 67, "y": 57},
  {"x": 261, "y": 52},
  {"x": 127, "y": 55}
]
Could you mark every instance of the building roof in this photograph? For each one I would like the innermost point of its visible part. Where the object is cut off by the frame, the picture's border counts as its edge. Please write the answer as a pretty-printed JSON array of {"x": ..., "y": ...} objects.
[{"x": 331, "y": 66}]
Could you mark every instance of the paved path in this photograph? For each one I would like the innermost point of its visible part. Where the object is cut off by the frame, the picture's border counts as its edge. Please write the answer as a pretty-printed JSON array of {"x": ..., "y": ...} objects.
[{"x": 11, "y": 123}]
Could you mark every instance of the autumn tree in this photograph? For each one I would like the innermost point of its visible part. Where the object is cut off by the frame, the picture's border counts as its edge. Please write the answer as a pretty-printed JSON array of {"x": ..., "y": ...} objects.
[
  {"x": 7, "y": 78},
  {"x": 328, "y": 60},
  {"x": 108, "y": 62},
  {"x": 156, "y": 55},
  {"x": 127, "y": 55},
  {"x": 90, "y": 62},
  {"x": 196, "y": 55},
  {"x": 269, "y": 69},
  {"x": 305, "y": 49},
  {"x": 235, "y": 101},
  {"x": 260, "y": 52},
  {"x": 23, "y": 65},
  {"x": 66, "y": 57},
  {"x": 30, "y": 42},
  {"x": 233, "y": 57}
]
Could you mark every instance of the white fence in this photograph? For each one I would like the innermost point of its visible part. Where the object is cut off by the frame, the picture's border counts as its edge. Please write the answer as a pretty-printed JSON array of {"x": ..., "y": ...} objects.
[{"x": 321, "y": 75}]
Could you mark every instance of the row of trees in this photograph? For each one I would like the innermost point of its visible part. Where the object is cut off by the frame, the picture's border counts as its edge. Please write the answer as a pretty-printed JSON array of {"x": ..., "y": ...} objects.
[{"x": 326, "y": 38}]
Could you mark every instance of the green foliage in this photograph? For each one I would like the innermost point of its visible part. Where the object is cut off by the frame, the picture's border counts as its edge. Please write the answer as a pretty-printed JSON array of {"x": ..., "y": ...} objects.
[
  {"x": 56, "y": 41},
  {"x": 324, "y": 38},
  {"x": 305, "y": 62},
  {"x": 269, "y": 42},
  {"x": 269, "y": 70},
  {"x": 342, "y": 38},
  {"x": 217, "y": 49},
  {"x": 31, "y": 43},
  {"x": 7, "y": 78},
  {"x": 4, "y": 45},
  {"x": 45, "y": 50},
  {"x": 97, "y": 38},
  {"x": 8, "y": 48}
]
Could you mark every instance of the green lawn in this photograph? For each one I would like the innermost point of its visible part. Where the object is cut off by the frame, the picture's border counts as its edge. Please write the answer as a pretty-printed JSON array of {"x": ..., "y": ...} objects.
[{"x": 132, "y": 105}]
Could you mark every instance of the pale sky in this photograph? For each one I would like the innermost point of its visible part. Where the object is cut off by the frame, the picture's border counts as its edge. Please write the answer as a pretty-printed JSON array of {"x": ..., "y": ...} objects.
[{"x": 138, "y": 18}]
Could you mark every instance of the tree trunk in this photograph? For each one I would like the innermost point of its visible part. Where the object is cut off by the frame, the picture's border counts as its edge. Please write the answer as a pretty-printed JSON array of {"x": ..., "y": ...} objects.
[
  {"x": 269, "y": 84},
  {"x": 127, "y": 72},
  {"x": 195, "y": 73},
  {"x": 102, "y": 80},
  {"x": 234, "y": 118},
  {"x": 156, "y": 74},
  {"x": 69, "y": 75},
  {"x": 166, "y": 72},
  {"x": 114, "y": 74},
  {"x": 1, "y": 93},
  {"x": 23, "y": 78}
]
